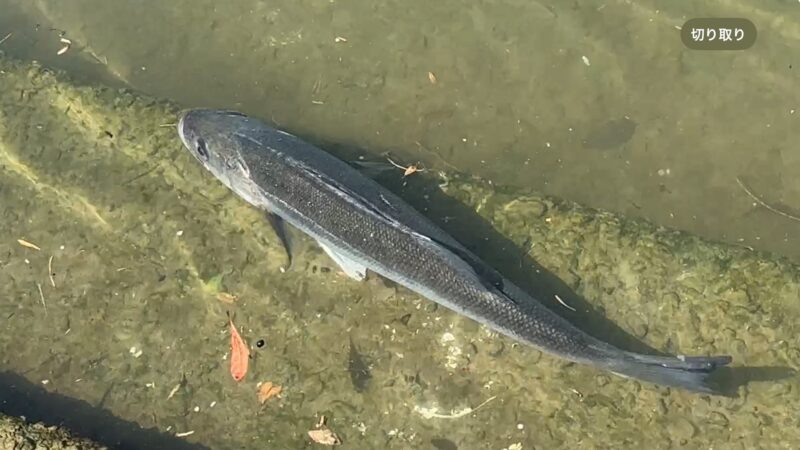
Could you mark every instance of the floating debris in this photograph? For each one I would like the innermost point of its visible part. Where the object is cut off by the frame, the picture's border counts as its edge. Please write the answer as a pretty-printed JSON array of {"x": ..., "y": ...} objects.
[
  {"x": 267, "y": 391},
  {"x": 240, "y": 354},
  {"x": 432, "y": 77},
  {"x": 184, "y": 434},
  {"x": 67, "y": 43},
  {"x": 50, "y": 271},
  {"x": 563, "y": 303},
  {"x": 766, "y": 205},
  {"x": 27, "y": 244},
  {"x": 41, "y": 296},
  {"x": 407, "y": 170},
  {"x": 432, "y": 413},
  {"x": 225, "y": 297},
  {"x": 174, "y": 390},
  {"x": 321, "y": 434}
]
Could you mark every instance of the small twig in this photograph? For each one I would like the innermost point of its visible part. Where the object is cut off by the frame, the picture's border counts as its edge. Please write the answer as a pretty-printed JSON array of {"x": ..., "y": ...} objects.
[
  {"x": 459, "y": 414},
  {"x": 50, "y": 271},
  {"x": 6, "y": 37},
  {"x": 761, "y": 202},
  {"x": 564, "y": 304},
  {"x": 173, "y": 391},
  {"x": 484, "y": 403},
  {"x": 41, "y": 295},
  {"x": 67, "y": 43},
  {"x": 145, "y": 173}
]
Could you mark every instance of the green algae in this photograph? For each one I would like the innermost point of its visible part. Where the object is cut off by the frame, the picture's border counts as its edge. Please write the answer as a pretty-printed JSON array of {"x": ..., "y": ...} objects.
[{"x": 18, "y": 434}]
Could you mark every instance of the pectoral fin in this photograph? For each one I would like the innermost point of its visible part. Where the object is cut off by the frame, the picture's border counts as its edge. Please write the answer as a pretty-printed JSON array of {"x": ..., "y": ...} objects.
[
  {"x": 353, "y": 269},
  {"x": 280, "y": 230}
]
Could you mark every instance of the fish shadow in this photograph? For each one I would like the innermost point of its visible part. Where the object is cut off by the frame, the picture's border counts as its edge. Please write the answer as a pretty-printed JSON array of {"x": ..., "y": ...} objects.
[
  {"x": 19, "y": 397},
  {"x": 480, "y": 236},
  {"x": 727, "y": 380}
]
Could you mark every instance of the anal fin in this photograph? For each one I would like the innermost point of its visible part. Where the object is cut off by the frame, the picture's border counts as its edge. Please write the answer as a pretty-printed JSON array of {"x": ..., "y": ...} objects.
[{"x": 353, "y": 269}]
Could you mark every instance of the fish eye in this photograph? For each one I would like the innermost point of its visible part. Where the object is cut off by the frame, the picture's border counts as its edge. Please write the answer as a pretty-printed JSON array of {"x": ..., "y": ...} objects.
[{"x": 201, "y": 148}]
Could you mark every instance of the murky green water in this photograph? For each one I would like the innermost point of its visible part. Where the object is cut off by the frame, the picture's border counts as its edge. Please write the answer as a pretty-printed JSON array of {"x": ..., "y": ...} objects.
[
  {"x": 528, "y": 94},
  {"x": 122, "y": 317}
]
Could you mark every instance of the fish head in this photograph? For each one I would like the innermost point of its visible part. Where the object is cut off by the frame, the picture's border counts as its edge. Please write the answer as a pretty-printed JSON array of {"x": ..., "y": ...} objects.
[
  {"x": 211, "y": 136},
  {"x": 207, "y": 133}
]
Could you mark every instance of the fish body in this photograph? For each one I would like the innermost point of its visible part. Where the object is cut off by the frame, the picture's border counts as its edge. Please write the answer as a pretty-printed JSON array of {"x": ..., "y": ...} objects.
[{"x": 363, "y": 226}]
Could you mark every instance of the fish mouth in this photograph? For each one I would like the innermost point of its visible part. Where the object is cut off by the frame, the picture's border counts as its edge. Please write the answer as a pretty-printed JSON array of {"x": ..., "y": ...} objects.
[{"x": 180, "y": 126}]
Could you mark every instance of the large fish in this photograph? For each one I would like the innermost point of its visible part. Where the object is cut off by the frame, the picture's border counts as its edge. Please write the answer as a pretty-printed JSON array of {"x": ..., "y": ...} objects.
[{"x": 362, "y": 225}]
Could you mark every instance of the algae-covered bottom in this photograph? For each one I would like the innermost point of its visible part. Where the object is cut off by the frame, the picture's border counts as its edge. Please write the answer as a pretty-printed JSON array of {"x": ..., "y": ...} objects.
[
  {"x": 18, "y": 434},
  {"x": 141, "y": 255}
]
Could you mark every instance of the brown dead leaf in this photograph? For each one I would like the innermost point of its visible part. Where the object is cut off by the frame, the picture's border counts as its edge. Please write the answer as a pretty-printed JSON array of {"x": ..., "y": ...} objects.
[
  {"x": 25, "y": 243},
  {"x": 407, "y": 170},
  {"x": 225, "y": 297},
  {"x": 410, "y": 169},
  {"x": 324, "y": 436},
  {"x": 267, "y": 391}
]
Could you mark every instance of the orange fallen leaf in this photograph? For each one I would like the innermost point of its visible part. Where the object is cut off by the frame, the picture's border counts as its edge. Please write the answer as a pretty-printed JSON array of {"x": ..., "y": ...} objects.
[
  {"x": 267, "y": 391},
  {"x": 240, "y": 354}
]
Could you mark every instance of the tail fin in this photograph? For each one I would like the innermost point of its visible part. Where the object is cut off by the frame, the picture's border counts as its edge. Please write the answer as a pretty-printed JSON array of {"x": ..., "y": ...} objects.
[{"x": 687, "y": 372}]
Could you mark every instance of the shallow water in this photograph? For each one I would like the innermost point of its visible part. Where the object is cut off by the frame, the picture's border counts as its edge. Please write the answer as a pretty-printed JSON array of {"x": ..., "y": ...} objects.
[
  {"x": 521, "y": 89},
  {"x": 126, "y": 314}
]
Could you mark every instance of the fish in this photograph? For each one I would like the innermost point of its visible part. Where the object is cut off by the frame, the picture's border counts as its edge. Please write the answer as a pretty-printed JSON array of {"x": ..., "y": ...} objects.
[
  {"x": 240, "y": 354},
  {"x": 363, "y": 226},
  {"x": 443, "y": 444}
]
